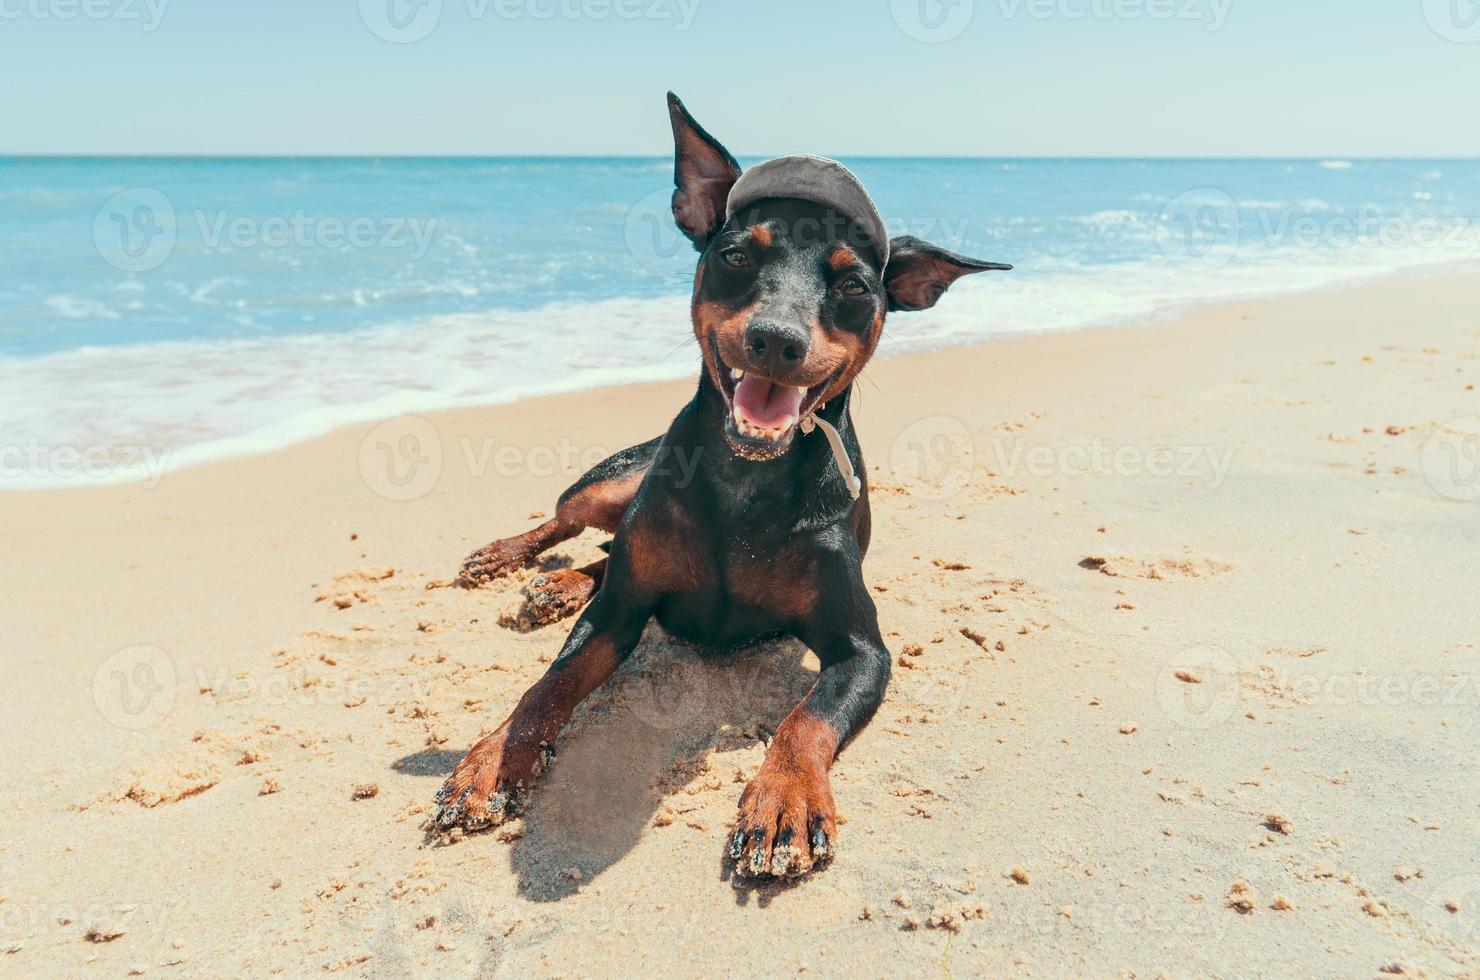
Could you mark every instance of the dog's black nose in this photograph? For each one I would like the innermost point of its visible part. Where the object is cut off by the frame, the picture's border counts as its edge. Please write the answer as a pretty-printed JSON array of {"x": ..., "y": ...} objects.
[{"x": 775, "y": 348}]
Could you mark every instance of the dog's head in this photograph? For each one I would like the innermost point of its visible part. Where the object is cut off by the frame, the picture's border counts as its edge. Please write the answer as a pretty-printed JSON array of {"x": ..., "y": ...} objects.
[{"x": 795, "y": 276}]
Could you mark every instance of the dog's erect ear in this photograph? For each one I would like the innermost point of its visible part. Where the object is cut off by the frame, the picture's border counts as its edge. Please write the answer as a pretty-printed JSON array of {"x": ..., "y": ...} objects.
[
  {"x": 703, "y": 173},
  {"x": 919, "y": 272}
]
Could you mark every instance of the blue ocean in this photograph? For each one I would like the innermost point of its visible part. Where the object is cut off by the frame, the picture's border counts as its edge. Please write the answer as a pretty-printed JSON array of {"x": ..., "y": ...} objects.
[{"x": 203, "y": 308}]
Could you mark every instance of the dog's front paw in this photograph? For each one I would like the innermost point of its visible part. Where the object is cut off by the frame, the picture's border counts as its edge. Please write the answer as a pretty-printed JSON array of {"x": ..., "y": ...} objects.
[
  {"x": 555, "y": 595},
  {"x": 787, "y": 824},
  {"x": 491, "y": 783},
  {"x": 493, "y": 561}
]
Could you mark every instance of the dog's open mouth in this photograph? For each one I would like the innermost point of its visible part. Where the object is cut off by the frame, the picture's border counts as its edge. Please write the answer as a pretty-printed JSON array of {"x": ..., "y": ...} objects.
[{"x": 763, "y": 414}]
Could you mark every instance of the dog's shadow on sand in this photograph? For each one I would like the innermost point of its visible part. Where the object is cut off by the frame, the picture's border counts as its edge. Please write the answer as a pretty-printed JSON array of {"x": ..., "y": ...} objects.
[{"x": 669, "y": 704}]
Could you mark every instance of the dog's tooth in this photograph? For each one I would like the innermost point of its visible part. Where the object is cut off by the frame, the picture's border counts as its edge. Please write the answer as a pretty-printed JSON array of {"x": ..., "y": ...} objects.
[{"x": 736, "y": 373}]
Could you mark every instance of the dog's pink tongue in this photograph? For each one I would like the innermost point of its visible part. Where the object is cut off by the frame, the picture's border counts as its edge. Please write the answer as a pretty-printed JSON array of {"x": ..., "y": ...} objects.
[{"x": 765, "y": 404}]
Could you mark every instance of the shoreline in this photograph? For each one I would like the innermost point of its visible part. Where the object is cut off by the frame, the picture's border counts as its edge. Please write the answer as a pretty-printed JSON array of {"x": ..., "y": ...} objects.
[{"x": 143, "y": 463}]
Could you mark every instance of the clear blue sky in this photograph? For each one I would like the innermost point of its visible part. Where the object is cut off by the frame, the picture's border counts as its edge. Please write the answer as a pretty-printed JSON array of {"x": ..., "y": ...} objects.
[{"x": 1015, "y": 77}]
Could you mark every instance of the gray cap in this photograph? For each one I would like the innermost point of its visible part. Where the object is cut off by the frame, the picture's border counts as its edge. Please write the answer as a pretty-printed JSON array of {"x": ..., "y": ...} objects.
[{"x": 818, "y": 179}]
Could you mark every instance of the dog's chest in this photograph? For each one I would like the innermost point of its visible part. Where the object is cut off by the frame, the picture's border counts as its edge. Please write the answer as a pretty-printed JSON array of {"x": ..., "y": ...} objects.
[{"x": 748, "y": 589}]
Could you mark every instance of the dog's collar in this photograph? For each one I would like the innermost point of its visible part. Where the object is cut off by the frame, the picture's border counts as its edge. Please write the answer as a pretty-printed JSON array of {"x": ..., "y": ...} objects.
[{"x": 839, "y": 451}]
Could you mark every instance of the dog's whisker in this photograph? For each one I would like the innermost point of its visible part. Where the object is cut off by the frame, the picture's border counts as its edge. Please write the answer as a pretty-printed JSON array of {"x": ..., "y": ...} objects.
[
  {"x": 691, "y": 339},
  {"x": 863, "y": 375}
]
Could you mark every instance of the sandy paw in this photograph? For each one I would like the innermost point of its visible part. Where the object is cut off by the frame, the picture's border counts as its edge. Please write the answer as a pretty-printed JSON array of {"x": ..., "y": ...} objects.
[
  {"x": 786, "y": 827},
  {"x": 493, "y": 561},
  {"x": 491, "y": 784},
  {"x": 552, "y": 596}
]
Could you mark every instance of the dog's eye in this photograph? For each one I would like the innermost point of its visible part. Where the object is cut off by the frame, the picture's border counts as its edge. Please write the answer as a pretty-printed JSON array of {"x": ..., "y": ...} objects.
[
  {"x": 853, "y": 287},
  {"x": 735, "y": 258}
]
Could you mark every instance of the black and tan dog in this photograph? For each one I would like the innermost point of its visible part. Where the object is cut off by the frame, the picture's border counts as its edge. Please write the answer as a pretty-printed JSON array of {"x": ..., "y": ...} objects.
[{"x": 735, "y": 525}]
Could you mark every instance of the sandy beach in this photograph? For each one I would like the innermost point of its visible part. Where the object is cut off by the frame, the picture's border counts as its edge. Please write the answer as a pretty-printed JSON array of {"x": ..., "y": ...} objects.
[{"x": 1187, "y": 684}]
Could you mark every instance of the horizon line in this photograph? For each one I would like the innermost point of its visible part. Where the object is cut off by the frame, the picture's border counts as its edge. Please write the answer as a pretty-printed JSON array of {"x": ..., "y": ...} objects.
[{"x": 743, "y": 156}]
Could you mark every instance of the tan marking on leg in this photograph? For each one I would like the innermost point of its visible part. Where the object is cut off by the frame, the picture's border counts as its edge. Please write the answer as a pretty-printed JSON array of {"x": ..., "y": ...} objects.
[
  {"x": 602, "y": 504},
  {"x": 510, "y": 554},
  {"x": 494, "y": 778},
  {"x": 787, "y": 821},
  {"x": 804, "y": 742}
]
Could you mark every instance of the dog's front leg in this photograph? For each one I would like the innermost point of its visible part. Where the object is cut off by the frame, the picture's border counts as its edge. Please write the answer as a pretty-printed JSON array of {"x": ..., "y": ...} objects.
[
  {"x": 493, "y": 779},
  {"x": 787, "y": 821}
]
